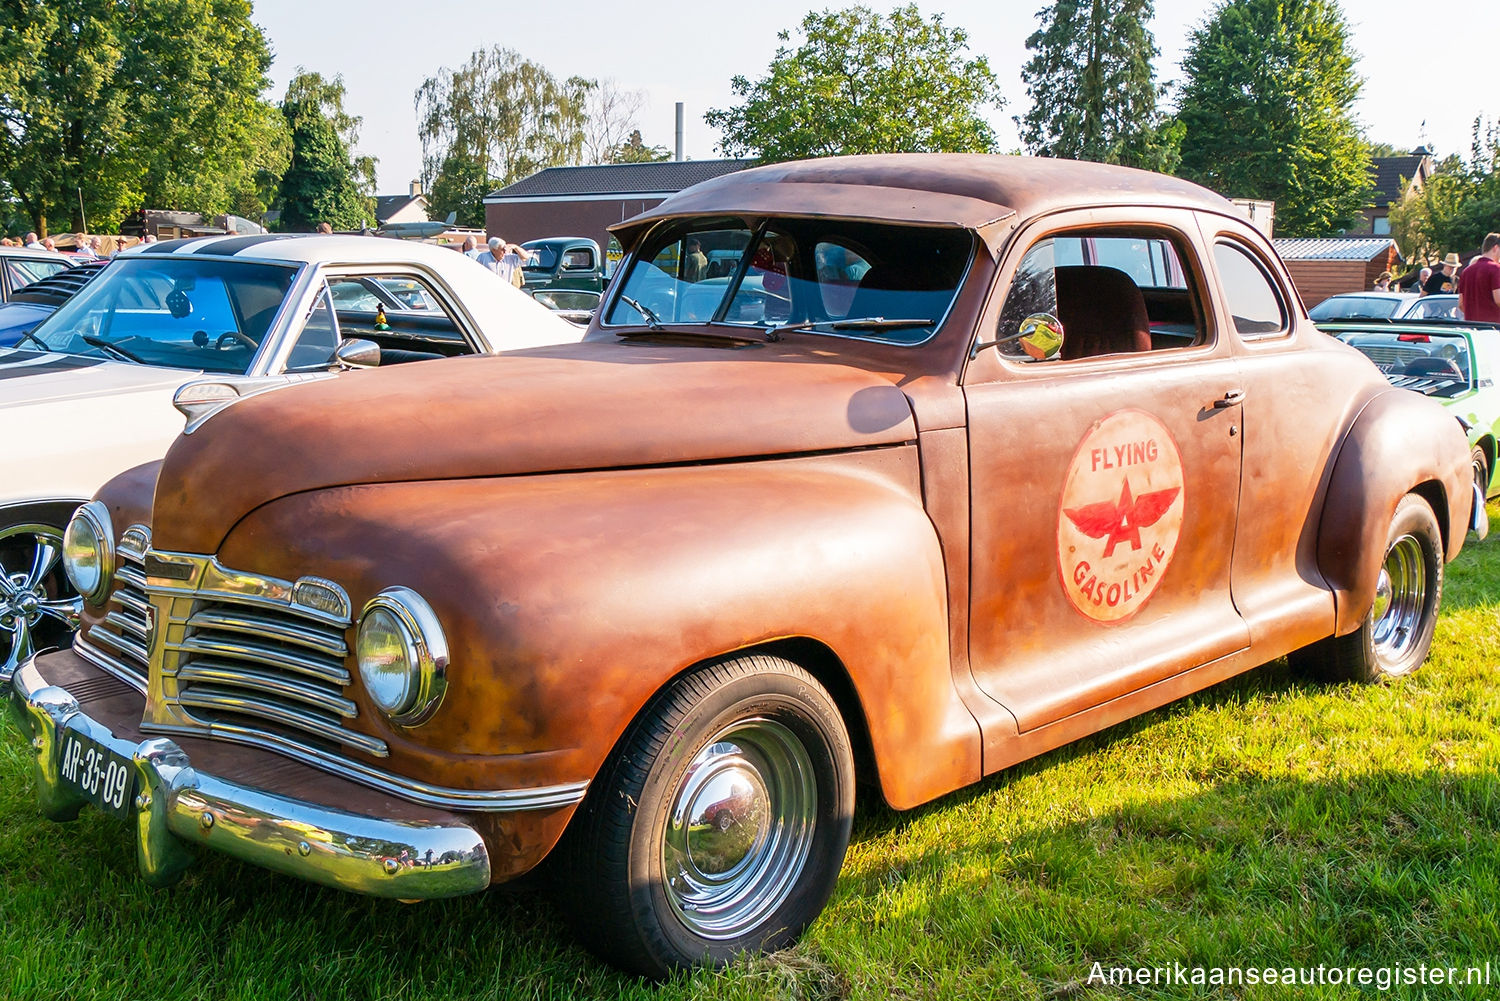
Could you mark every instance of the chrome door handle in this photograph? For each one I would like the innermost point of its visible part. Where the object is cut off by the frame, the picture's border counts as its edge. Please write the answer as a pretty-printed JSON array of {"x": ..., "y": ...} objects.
[{"x": 1233, "y": 398}]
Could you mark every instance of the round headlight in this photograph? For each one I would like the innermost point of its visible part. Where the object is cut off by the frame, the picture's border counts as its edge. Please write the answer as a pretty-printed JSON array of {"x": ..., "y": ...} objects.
[
  {"x": 88, "y": 551},
  {"x": 403, "y": 655}
]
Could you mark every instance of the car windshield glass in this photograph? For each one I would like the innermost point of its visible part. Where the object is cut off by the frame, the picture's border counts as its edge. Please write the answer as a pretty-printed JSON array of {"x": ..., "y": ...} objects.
[
  {"x": 1433, "y": 363},
  {"x": 826, "y": 276},
  {"x": 545, "y": 259},
  {"x": 1433, "y": 307},
  {"x": 176, "y": 312},
  {"x": 1355, "y": 307}
]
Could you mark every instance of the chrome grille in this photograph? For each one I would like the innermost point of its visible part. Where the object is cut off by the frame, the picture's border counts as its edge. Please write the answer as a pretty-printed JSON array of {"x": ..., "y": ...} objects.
[
  {"x": 248, "y": 665},
  {"x": 246, "y": 657},
  {"x": 120, "y": 642}
]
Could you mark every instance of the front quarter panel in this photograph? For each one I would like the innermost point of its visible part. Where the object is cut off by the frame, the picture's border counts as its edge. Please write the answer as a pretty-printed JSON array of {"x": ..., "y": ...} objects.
[{"x": 568, "y": 600}]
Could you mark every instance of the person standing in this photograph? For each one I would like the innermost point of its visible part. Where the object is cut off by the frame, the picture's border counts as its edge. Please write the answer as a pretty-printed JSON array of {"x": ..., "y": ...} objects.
[
  {"x": 1442, "y": 276},
  {"x": 83, "y": 246},
  {"x": 1479, "y": 285},
  {"x": 694, "y": 262},
  {"x": 32, "y": 243}
]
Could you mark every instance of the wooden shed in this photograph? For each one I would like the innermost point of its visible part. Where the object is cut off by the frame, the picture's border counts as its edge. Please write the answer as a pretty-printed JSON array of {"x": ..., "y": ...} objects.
[{"x": 1321, "y": 268}]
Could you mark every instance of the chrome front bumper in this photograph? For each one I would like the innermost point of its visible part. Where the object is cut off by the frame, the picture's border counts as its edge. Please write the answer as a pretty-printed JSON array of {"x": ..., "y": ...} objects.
[{"x": 177, "y": 807}]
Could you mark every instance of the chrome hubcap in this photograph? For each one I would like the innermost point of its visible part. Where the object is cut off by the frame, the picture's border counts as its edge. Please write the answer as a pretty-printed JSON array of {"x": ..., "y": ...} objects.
[
  {"x": 1400, "y": 597},
  {"x": 32, "y": 588},
  {"x": 740, "y": 828}
]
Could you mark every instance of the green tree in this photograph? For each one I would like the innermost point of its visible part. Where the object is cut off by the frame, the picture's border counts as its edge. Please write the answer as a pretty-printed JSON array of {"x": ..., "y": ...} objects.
[
  {"x": 1093, "y": 91},
  {"x": 494, "y": 120},
  {"x": 323, "y": 182},
  {"x": 1457, "y": 206},
  {"x": 105, "y": 104},
  {"x": 635, "y": 150},
  {"x": 862, "y": 83},
  {"x": 1267, "y": 105}
]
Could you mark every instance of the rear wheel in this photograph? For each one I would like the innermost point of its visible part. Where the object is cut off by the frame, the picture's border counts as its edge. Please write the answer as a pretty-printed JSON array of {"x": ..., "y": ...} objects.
[
  {"x": 1396, "y": 634},
  {"x": 652, "y": 879}
]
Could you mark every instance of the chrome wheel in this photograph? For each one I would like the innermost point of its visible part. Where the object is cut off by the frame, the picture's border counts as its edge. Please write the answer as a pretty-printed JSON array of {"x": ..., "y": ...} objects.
[
  {"x": 739, "y": 829},
  {"x": 38, "y": 606},
  {"x": 1400, "y": 599}
]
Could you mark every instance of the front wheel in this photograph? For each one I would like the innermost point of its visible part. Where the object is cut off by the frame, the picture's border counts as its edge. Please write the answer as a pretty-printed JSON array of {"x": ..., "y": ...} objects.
[
  {"x": 38, "y": 606},
  {"x": 1481, "y": 464},
  {"x": 651, "y": 878},
  {"x": 1396, "y": 634}
]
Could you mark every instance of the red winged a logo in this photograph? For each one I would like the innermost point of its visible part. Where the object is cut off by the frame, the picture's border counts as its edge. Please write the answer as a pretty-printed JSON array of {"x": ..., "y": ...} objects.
[{"x": 1122, "y": 520}]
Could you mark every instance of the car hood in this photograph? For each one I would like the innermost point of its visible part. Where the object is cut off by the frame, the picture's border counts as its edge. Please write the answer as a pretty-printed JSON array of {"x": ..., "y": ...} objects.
[
  {"x": 570, "y": 407},
  {"x": 31, "y": 377}
]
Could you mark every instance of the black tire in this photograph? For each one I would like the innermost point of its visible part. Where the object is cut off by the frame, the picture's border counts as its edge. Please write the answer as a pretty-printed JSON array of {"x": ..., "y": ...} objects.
[
  {"x": 1481, "y": 463},
  {"x": 761, "y": 723},
  {"x": 1396, "y": 633}
]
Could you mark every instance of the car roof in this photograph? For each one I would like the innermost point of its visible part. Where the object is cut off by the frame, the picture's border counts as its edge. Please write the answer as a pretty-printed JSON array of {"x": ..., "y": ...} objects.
[
  {"x": 301, "y": 248},
  {"x": 970, "y": 190},
  {"x": 35, "y": 255}
]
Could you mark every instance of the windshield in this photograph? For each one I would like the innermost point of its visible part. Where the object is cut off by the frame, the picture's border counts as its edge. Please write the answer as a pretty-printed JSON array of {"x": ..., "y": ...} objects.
[
  {"x": 545, "y": 259},
  {"x": 1356, "y": 307},
  {"x": 172, "y": 311},
  {"x": 1433, "y": 307},
  {"x": 828, "y": 276}
]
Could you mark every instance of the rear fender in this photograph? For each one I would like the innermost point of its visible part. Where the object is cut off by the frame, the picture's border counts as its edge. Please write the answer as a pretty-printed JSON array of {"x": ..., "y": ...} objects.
[{"x": 1399, "y": 443}]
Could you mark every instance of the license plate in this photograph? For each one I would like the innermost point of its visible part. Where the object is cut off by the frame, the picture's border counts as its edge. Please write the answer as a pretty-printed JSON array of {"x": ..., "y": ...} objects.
[{"x": 104, "y": 778}]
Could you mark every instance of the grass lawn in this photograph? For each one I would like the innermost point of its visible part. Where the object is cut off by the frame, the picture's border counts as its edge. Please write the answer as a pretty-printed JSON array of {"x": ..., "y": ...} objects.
[{"x": 1267, "y": 822}]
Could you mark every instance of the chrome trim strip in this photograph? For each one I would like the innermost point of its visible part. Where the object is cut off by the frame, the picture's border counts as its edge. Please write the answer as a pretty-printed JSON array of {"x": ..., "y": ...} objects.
[
  {"x": 208, "y": 672},
  {"x": 254, "y": 624},
  {"x": 104, "y": 662},
  {"x": 245, "y": 705},
  {"x": 126, "y": 623},
  {"x": 123, "y": 644},
  {"x": 132, "y": 576},
  {"x": 131, "y": 601},
  {"x": 178, "y": 805},
  {"x": 262, "y": 654},
  {"x": 477, "y": 800}
]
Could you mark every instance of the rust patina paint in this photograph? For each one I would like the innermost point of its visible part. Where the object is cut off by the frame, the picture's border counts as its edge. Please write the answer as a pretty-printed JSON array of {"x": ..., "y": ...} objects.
[{"x": 590, "y": 521}]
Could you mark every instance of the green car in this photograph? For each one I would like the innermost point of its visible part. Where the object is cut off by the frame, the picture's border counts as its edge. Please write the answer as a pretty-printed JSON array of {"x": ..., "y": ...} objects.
[
  {"x": 564, "y": 263},
  {"x": 1455, "y": 362}
]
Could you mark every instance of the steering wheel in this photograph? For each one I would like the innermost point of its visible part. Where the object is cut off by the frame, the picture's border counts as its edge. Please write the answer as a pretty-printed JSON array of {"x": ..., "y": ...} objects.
[{"x": 229, "y": 336}]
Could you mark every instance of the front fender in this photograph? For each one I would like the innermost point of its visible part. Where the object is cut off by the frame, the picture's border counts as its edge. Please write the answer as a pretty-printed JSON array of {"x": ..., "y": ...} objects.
[
  {"x": 1399, "y": 442},
  {"x": 568, "y": 600}
]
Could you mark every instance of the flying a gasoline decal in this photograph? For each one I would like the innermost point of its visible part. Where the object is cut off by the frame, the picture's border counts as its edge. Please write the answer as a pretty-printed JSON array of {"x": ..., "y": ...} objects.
[{"x": 1120, "y": 515}]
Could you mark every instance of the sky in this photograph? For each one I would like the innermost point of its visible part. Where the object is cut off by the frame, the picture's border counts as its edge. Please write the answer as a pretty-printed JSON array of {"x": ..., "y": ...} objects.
[{"x": 1418, "y": 66}]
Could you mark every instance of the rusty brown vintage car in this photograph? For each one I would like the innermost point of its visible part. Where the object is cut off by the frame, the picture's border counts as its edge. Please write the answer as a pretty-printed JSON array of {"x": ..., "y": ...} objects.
[{"x": 912, "y": 468}]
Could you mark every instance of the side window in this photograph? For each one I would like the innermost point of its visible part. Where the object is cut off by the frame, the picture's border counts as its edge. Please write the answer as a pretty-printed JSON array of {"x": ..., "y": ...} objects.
[
  {"x": 1255, "y": 304},
  {"x": 1087, "y": 294},
  {"x": 400, "y": 312},
  {"x": 578, "y": 259},
  {"x": 319, "y": 337},
  {"x": 25, "y": 271}
]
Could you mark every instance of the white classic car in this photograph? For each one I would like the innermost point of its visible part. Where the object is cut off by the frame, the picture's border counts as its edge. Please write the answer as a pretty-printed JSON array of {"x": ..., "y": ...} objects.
[{"x": 89, "y": 392}]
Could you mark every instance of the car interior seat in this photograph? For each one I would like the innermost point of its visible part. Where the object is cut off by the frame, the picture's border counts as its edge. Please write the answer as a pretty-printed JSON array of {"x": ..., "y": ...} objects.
[{"x": 1102, "y": 312}]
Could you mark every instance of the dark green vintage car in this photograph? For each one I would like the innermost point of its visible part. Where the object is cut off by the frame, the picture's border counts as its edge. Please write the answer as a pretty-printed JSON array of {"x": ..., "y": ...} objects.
[{"x": 564, "y": 262}]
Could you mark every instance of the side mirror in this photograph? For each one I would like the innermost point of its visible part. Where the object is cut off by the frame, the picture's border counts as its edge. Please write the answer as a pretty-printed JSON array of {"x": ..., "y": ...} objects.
[
  {"x": 1040, "y": 336},
  {"x": 356, "y": 352}
]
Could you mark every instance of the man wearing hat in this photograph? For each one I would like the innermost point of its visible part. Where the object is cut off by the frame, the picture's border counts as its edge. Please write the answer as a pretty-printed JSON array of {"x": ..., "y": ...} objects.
[
  {"x": 1442, "y": 276},
  {"x": 1479, "y": 285}
]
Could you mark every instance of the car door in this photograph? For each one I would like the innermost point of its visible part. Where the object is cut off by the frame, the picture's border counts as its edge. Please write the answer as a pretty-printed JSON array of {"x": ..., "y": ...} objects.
[{"x": 1104, "y": 480}]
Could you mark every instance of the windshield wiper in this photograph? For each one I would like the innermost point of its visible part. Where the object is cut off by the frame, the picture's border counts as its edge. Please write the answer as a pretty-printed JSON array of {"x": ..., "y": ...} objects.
[
  {"x": 652, "y": 320},
  {"x": 27, "y": 335},
  {"x": 110, "y": 347},
  {"x": 878, "y": 323}
]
